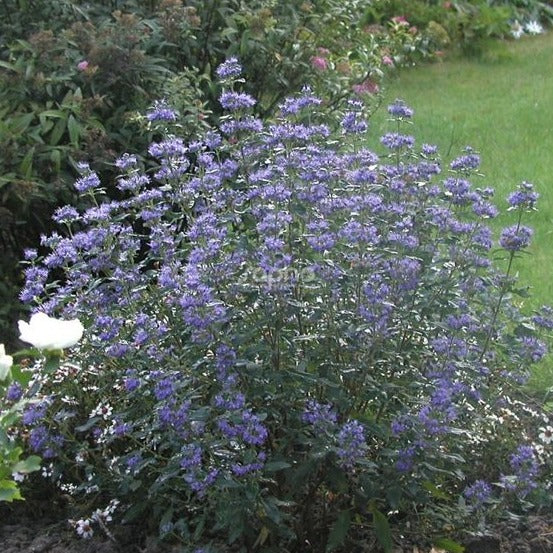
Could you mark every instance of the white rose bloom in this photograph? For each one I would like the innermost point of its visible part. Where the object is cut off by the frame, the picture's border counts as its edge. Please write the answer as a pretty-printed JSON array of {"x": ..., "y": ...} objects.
[
  {"x": 45, "y": 332},
  {"x": 6, "y": 361}
]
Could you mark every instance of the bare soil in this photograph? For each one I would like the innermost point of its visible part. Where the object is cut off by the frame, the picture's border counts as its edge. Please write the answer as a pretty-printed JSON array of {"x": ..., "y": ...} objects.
[{"x": 42, "y": 527}]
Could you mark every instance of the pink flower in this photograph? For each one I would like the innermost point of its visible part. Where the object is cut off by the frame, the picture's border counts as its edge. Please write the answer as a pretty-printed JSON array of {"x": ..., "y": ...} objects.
[
  {"x": 366, "y": 87},
  {"x": 319, "y": 63},
  {"x": 82, "y": 65},
  {"x": 387, "y": 60},
  {"x": 400, "y": 20}
]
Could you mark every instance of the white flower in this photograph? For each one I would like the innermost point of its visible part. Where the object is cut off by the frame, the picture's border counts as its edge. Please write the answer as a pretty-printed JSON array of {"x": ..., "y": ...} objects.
[
  {"x": 517, "y": 30},
  {"x": 6, "y": 361},
  {"x": 67, "y": 488},
  {"x": 47, "y": 471},
  {"x": 102, "y": 516},
  {"x": 84, "y": 529},
  {"x": 102, "y": 410},
  {"x": 546, "y": 434},
  {"x": 45, "y": 332},
  {"x": 533, "y": 28}
]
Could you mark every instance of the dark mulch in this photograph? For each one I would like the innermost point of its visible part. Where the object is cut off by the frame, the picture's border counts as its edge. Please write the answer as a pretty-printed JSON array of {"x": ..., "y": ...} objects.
[{"x": 42, "y": 527}]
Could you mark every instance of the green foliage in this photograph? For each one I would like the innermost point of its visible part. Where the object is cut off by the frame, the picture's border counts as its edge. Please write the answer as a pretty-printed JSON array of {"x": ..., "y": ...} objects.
[
  {"x": 382, "y": 530},
  {"x": 528, "y": 9},
  {"x": 477, "y": 24},
  {"x": 449, "y": 545},
  {"x": 14, "y": 465},
  {"x": 417, "y": 12},
  {"x": 472, "y": 27}
]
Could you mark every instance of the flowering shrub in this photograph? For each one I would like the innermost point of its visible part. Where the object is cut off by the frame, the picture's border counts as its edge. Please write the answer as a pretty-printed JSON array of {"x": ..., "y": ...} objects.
[
  {"x": 13, "y": 469},
  {"x": 287, "y": 336}
]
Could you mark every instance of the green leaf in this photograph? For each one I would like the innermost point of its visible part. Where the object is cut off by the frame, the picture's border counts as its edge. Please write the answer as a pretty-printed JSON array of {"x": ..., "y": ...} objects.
[
  {"x": 435, "y": 491},
  {"x": 449, "y": 545},
  {"x": 74, "y": 131},
  {"x": 9, "y": 491},
  {"x": 9, "y": 66},
  {"x": 304, "y": 471},
  {"x": 20, "y": 376},
  {"x": 31, "y": 464},
  {"x": 52, "y": 363},
  {"x": 18, "y": 125},
  {"x": 275, "y": 466},
  {"x": 57, "y": 132},
  {"x": 26, "y": 166},
  {"x": 394, "y": 495},
  {"x": 244, "y": 43},
  {"x": 339, "y": 531},
  {"x": 199, "y": 527},
  {"x": 54, "y": 113},
  {"x": 271, "y": 510},
  {"x": 135, "y": 511},
  {"x": 382, "y": 530},
  {"x": 55, "y": 158},
  {"x": 87, "y": 425}
]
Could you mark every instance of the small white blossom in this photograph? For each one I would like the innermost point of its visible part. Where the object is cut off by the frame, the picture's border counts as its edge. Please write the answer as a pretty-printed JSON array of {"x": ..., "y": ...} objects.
[
  {"x": 102, "y": 515},
  {"x": 84, "y": 528},
  {"x": 546, "y": 435},
  {"x": 18, "y": 477},
  {"x": 80, "y": 457},
  {"x": 68, "y": 488},
  {"x": 112, "y": 506},
  {"x": 69, "y": 400},
  {"x": 102, "y": 410}
]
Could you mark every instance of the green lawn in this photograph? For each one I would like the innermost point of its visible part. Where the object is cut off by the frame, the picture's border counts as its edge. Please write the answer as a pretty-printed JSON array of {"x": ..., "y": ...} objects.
[{"x": 503, "y": 109}]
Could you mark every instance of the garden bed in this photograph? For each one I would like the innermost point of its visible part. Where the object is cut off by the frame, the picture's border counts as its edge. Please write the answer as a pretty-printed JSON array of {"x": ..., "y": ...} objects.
[{"x": 40, "y": 527}]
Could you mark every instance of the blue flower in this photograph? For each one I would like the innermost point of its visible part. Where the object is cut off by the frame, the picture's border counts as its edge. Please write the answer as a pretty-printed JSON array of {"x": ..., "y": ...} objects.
[
  {"x": 515, "y": 238},
  {"x": 351, "y": 444},
  {"x": 396, "y": 141},
  {"x": 233, "y": 101},
  {"x": 478, "y": 493},
  {"x": 400, "y": 109},
  {"x": 524, "y": 197},
  {"x": 87, "y": 182},
  {"x": 160, "y": 111},
  {"x": 229, "y": 69}
]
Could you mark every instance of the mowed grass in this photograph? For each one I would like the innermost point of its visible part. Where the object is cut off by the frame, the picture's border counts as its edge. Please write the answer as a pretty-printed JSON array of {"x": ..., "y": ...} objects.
[{"x": 504, "y": 110}]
